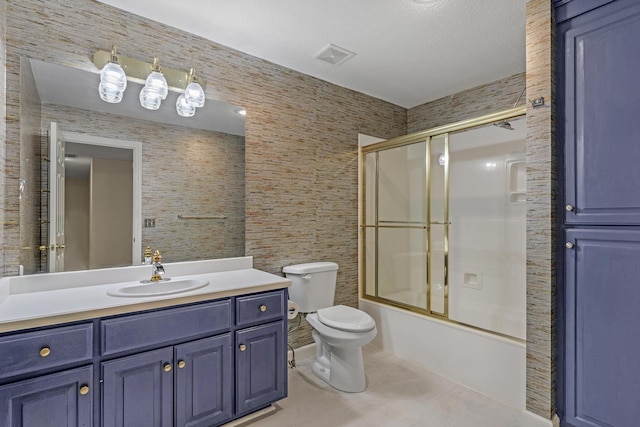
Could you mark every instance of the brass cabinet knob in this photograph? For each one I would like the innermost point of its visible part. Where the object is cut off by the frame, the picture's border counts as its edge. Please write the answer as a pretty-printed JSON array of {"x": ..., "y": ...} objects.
[
  {"x": 243, "y": 347},
  {"x": 45, "y": 351},
  {"x": 84, "y": 390},
  {"x": 167, "y": 367},
  {"x": 182, "y": 364},
  {"x": 263, "y": 308},
  {"x": 569, "y": 208},
  {"x": 569, "y": 245}
]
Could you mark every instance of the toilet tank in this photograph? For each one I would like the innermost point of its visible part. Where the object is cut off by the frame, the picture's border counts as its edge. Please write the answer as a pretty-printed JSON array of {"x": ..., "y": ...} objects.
[{"x": 313, "y": 285}]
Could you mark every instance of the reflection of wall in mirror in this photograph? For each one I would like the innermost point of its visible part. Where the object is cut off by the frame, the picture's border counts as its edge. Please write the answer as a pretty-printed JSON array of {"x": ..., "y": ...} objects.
[
  {"x": 185, "y": 171},
  {"x": 30, "y": 165}
]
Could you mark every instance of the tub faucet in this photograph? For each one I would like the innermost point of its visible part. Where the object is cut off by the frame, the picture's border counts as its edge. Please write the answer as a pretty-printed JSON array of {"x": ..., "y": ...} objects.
[{"x": 157, "y": 270}]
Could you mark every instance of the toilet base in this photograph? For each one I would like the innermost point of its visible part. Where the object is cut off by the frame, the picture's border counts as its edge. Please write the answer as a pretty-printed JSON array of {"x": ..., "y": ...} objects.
[{"x": 340, "y": 367}]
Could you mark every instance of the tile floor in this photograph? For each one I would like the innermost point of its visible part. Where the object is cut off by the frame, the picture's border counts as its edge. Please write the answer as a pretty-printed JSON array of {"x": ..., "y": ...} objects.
[{"x": 398, "y": 394}]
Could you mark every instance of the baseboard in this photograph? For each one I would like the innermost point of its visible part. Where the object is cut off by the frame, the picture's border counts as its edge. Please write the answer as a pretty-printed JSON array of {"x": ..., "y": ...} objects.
[
  {"x": 534, "y": 420},
  {"x": 303, "y": 352}
]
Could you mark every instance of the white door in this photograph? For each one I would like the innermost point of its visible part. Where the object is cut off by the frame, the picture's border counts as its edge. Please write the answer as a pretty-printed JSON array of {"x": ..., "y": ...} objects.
[{"x": 56, "y": 199}]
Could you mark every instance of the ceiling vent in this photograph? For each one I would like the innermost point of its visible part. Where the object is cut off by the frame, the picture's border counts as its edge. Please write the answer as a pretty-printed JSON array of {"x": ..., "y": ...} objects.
[{"x": 334, "y": 55}]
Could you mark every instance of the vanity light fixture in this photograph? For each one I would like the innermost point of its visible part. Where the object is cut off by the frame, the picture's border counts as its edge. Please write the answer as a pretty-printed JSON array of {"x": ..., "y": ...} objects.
[
  {"x": 117, "y": 69},
  {"x": 113, "y": 80},
  {"x": 155, "y": 88}
]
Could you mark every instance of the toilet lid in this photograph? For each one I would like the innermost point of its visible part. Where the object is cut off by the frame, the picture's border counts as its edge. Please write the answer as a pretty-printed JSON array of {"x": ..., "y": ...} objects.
[{"x": 346, "y": 318}]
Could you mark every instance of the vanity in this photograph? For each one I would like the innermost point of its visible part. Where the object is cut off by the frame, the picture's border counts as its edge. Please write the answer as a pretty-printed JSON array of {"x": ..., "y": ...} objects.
[{"x": 75, "y": 355}]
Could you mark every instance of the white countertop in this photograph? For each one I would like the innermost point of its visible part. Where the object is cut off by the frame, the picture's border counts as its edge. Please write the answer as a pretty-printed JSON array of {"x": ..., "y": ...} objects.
[{"x": 47, "y": 299}]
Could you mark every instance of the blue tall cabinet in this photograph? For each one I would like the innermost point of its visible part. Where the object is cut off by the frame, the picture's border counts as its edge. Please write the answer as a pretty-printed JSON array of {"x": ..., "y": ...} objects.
[{"x": 598, "y": 125}]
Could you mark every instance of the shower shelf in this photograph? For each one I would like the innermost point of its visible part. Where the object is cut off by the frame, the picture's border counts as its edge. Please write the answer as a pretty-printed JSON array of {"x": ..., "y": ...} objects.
[{"x": 516, "y": 181}]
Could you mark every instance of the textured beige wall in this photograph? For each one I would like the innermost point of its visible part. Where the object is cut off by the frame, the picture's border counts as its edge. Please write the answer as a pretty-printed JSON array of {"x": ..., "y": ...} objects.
[
  {"x": 541, "y": 215},
  {"x": 301, "y": 133},
  {"x": 3, "y": 127},
  {"x": 475, "y": 102},
  {"x": 30, "y": 166}
]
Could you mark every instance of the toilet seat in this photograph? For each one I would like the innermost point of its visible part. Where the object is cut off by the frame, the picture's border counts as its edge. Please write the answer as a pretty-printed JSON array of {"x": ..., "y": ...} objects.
[{"x": 346, "y": 318}]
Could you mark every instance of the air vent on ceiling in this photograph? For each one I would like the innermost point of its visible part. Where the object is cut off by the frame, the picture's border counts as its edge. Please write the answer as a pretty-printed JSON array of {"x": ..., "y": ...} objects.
[{"x": 334, "y": 55}]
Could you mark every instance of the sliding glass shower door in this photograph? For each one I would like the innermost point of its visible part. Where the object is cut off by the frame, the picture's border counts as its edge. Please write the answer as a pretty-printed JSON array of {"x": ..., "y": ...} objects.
[
  {"x": 443, "y": 225},
  {"x": 406, "y": 218}
]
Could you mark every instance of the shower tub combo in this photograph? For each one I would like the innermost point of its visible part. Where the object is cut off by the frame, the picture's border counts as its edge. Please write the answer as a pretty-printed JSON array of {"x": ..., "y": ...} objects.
[{"x": 442, "y": 246}]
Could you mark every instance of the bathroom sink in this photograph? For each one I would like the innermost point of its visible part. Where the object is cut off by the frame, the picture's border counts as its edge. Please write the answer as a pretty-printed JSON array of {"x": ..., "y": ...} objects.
[{"x": 165, "y": 287}]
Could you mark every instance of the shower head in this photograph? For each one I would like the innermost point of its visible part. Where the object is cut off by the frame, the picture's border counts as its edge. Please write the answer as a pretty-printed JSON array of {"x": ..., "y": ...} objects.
[{"x": 504, "y": 125}]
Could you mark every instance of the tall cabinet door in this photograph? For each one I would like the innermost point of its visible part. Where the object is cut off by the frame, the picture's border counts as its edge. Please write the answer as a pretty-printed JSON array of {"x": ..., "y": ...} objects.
[
  {"x": 261, "y": 376},
  {"x": 602, "y": 303},
  {"x": 204, "y": 382},
  {"x": 138, "y": 390},
  {"x": 600, "y": 87},
  {"x": 64, "y": 399}
]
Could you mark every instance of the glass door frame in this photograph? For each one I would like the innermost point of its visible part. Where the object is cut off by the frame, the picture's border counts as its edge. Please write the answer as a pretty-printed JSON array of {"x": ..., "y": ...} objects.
[{"x": 417, "y": 137}]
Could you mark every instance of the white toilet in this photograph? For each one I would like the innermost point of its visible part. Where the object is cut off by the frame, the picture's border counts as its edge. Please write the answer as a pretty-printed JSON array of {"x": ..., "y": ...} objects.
[{"x": 338, "y": 331}]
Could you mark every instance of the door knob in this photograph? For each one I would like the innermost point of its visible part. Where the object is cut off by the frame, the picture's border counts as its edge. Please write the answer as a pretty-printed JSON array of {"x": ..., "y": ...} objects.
[
  {"x": 569, "y": 245},
  {"x": 569, "y": 208},
  {"x": 182, "y": 364},
  {"x": 84, "y": 390},
  {"x": 243, "y": 347},
  {"x": 263, "y": 308},
  {"x": 167, "y": 367}
]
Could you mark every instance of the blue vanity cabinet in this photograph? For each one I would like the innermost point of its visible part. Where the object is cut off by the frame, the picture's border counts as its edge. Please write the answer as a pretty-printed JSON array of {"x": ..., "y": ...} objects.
[
  {"x": 179, "y": 366},
  {"x": 138, "y": 390},
  {"x": 204, "y": 382},
  {"x": 44, "y": 377},
  {"x": 261, "y": 350},
  {"x": 187, "y": 381},
  {"x": 63, "y": 399}
]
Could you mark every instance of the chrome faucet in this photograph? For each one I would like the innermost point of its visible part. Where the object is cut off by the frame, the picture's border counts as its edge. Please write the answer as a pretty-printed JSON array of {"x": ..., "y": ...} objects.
[{"x": 157, "y": 270}]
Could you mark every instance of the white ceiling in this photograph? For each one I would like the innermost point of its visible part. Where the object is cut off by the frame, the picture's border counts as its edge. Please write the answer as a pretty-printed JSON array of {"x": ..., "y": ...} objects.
[{"x": 408, "y": 52}]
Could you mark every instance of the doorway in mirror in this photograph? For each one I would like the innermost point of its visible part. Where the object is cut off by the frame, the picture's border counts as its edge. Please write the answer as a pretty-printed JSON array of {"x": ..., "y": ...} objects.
[{"x": 94, "y": 203}]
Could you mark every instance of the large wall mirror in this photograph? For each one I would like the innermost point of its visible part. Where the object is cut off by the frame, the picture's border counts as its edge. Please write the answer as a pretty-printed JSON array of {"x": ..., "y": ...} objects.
[{"x": 132, "y": 177}]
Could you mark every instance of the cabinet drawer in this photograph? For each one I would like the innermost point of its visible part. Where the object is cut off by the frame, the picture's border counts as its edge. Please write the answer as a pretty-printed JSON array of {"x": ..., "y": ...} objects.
[
  {"x": 145, "y": 330},
  {"x": 260, "y": 308},
  {"x": 41, "y": 350}
]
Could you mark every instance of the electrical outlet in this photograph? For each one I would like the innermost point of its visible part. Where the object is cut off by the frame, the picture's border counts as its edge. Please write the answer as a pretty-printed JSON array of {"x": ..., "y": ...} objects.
[{"x": 149, "y": 222}]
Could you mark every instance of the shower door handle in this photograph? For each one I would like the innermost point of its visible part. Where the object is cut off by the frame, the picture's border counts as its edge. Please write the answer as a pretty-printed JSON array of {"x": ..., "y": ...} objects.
[{"x": 440, "y": 223}]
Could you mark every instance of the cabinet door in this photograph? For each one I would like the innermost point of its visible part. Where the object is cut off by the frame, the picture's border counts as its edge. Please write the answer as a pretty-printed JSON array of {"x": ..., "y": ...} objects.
[
  {"x": 138, "y": 390},
  {"x": 64, "y": 399},
  {"x": 261, "y": 373},
  {"x": 204, "y": 382},
  {"x": 602, "y": 311},
  {"x": 600, "y": 88}
]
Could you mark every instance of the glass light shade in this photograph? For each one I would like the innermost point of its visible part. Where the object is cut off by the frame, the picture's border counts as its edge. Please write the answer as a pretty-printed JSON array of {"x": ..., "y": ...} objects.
[
  {"x": 110, "y": 94},
  {"x": 183, "y": 108},
  {"x": 149, "y": 99},
  {"x": 194, "y": 95},
  {"x": 156, "y": 83},
  {"x": 113, "y": 82}
]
